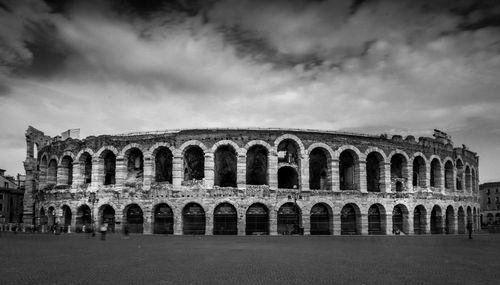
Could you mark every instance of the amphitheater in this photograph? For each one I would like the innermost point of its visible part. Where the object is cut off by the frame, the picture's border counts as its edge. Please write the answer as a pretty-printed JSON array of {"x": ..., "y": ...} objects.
[{"x": 251, "y": 182}]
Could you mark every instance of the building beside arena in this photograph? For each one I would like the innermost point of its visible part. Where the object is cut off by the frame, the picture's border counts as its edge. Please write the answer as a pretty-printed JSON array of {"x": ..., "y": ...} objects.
[
  {"x": 251, "y": 181},
  {"x": 490, "y": 204}
]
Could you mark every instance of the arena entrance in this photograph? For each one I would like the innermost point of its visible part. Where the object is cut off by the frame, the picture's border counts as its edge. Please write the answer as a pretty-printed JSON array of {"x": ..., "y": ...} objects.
[
  {"x": 67, "y": 218},
  {"x": 225, "y": 220},
  {"x": 436, "y": 220},
  {"x": 108, "y": 217},
  {"x": 419, "y": 220},
  {"x": 348, "y": 220},
  {"x": 450, "y": 220},
  {"x": 397, "y": 219},
  {"x": 83, "y": 219},
  {"x": 135, "y": 219},
  {"x": 257, "y": 220},
  {"x": 320, "y": 220},
  {"x": 163, "y": 220},
  {"x": 375, "y": 221},
  {"x": 461, "y": 221},
  {"x": 193, "y": 218},
  {"x": 289, "y": 219}
]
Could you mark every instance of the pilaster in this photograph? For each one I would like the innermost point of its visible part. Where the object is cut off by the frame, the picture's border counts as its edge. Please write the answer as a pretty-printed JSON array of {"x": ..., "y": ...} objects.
[
  {"x": 361, "y": 179},
  {"x": 209, "y": 170},
  {"x": 241, "y": 169},
  {"x": 177, "y": 170},
  {"x": 272, "y": 170}
]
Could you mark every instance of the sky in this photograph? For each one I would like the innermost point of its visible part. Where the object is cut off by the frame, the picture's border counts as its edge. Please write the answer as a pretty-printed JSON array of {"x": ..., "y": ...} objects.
[{"x": 370, "y": 66}]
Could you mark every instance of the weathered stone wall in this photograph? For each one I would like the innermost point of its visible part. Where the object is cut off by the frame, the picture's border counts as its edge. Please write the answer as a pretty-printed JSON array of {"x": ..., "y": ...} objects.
[{"x": 145, "y": 192}]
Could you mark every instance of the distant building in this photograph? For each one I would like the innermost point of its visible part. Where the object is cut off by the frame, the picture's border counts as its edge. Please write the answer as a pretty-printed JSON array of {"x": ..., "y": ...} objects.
[
  {"x": 490, "y": 203},
  {"x": 11, "y": 199}
]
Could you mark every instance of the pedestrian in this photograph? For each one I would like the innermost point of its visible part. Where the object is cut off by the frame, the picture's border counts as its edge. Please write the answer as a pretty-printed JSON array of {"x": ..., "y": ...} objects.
[
  {"x": 125, "y": 231},
  {"x": 103, "y": 229},
  {"x": 83, "y": 229},
  {"x": 469, "y": 229}
]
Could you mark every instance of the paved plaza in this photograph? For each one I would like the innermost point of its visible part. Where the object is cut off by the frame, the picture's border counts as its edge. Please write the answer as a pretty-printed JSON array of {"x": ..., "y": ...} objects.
[{"x": 141, "y": 259}]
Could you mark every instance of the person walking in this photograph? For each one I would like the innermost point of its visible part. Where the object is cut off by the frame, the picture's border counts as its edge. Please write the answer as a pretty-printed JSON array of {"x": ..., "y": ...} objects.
[
  {"x": 104, "y": 229},
  {"x": 469, "y": 229}
]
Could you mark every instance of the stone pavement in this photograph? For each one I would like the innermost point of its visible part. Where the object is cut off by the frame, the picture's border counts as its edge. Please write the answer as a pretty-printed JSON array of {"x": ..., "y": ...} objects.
[{"x": 141, "y": 259}]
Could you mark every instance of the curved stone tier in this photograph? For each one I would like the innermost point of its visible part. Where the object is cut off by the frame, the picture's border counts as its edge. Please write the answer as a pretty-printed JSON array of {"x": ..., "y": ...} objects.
[{"x": 251, "y": 181}]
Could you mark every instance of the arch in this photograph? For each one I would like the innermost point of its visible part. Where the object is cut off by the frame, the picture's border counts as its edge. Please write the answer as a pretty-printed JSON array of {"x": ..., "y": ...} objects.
[
  {"x": 163, "y": 219},
  {"x": 87, "y": 150},
  {"x": 400, "y": 216},
  {"x": 289, "y": 219},
  {"x": 44, "y": 165},
  {"x": 66, "y": 167},
  {"x": 258, "y": 142},
  {"x": 349, "y": 169},
  {"x": 461, "y": 220},
  {"x": 474, "y": 180},
  {"x": 448, "y": 175},
  {"x": 257, "y": 220},
  {"x": 449, "y": 221},
  {"x": 320, "y": 161},
  {"x": 193, "y": 219},
  {"x": 126, "y": 149},
  {"x": 288, "y": 177},
  {"x": 225, "y": 161},
  {"x": 376, "y": 150},
  {"x": 469, "y": 214},
  {"x": 107, "y": 216},
  {"x": 66, "y": 217},
  {"x": 399, "y": 170},
  {"x": 436, "y": 220},
  {"x": 224, "y": 143},
  {"x": 350, "y": 220},
  {"x": 225, "y": 219},
  {"x": 490, "y": 220},
  {"x": 294, "y": 138},
  {"x": 109, "y": 167},
  {"x": 66, "y": 153},
  {"x": 435, "y": 173},
  {"x": 324, "y": 146},
  {"x": 320, "y": 217},
  {"x": 51, "y": 214},
  {"x": 468, "y": 179},
  {"x": 419, "y": 171},
  {"x": 52, "y": 171},
  {"x": 376, "y": 220},
  {"x": 99, "y": 153},
  {"x": 375, "y": 170},
  {"x": 83, "y": 219},
  {"x": 85, "y": 163},
  {"x": 134, "y": 161},
  {"x": 162, "y": 164},
  {"x": 459, "y": 174},
  {"x": 134, "y": 218},
  {"x": 194, "y": 162},
  {"x": 154, "y": 148},
  {"x": 419, "y": 220},
  {"x": 192, "y": 143},
  {"x": 257, "y": 164}
]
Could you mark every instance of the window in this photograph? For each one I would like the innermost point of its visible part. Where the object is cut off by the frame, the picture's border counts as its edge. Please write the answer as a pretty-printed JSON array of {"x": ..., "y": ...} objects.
[
  {"x": 488, "y": 191},
  {"x": 6, "y": 184},
  {"x": 489, "y": 200}
]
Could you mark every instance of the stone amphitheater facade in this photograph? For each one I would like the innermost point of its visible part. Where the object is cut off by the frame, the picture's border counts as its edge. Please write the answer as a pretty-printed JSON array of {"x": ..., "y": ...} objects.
[{"x": 251, "y": 181}]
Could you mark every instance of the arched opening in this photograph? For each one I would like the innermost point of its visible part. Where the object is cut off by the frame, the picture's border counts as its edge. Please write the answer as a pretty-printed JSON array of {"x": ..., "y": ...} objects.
[
  {"x": 257, "y": 220},
  {"x": 51, "y": 218},
  {"x": 376, "y": 220},
  {"x": 83, "y": 219},
  {"x": 468, "y": 179},
  {"x": 66, "y": 174},
  {"x": 460, "y": 173},
  {"x": 86, "y": 167},
  {"x": 435, "y": 173},
  {"x": 107, "y": 214},
  {"x": 349, "y": 220},
  {"x": 194, "y": 163},
  {"x": 109, "y": 167},
  {"x": 288, "y": 178},
  {"x": 163, "y": 219},
  {"x": 474, "y": 181},
  {"x": 320, "y": 220},
  {"x": 490, "y": 219},
  {"x": 419, "y": 179},
  {"x": 398, "y": 172},
  {"x": 135, "y": 219},
  {"x": 225, "y": 166},
  {"x": 43, "y": 220},
  {"x": 448, "y": 176},
  {"x": 374, "y": 170},
  {"x": 43, "y": 171},
  {"x": 163, "y": 165},
  {"x": 450, "y": 220},
  {"x": 436, "y": 220},
  {"x": 289, "y": 219},
  {"x": 225, "y": 220},
  {"x": 469, "y": 214},
  {"x": 66, "y": 215},
  {"x": 419, "y": 220},
  {"x": 135, "y": 166},
  {"x": 257, "y": 164},
  {"x": 193, "y": 219},
  {"x": 400, "y": 219},
  {"x": 348, "y": 170},
  {"x": 319, "y": 178},
  {"x": 461, "y": 220},
  {"x": 52, "y": 172}
]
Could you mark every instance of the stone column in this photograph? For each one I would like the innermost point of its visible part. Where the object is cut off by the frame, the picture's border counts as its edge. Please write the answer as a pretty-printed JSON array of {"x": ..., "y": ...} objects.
[
  {"x": 177, "y": 170},
  {"x": 442, "y": 182},
  {"x": 119, "y": 220},
  {"x": 454, "y": 184},
  {"x": 304, "y": 173},
  {"x": 148, "y": 172},
  {"x": 454, "y": 225},
  {"x": 363, "y": 223},
  {"x": 97, "y": 173},
  {"x": 178, "y": 223},
  {"x": 361, "y": 176},
  {"x": 306, "y": 223},
  {"x": 387, "y": 177},
  {"x": 77, "y": 176},
  {"x": 241, "y": 169},
  {"x": 242, "y": 223},
  {"x": 336, "y": 222},
  {"x": 408, "y": 219},
  {"x": 147, "y": 224},
  {"x": 273, "y": 222},
  {"x": 335, "y": 175},
  {"x": 428, "y": 223},
  {"x": 120, "y": 171},
  {"x": 209, "y": 226},
  {"x": 428, "y": 176},
  {"x": 389, "y": 224},
  {"x": 209, "y": 169},
  {"x": 272, "y": 169},
  {"x": 409, "y": 177}
]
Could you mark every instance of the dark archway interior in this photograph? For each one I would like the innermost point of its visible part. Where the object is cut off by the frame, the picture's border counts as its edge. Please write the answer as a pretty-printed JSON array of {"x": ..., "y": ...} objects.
[
  {"x": 348, "y": 220},
  {"x": 108, "y": 217},
  {"x": 163, "y": 220},
  {"x": 436, "y": 221},
  {"x": 194, "y": 164},
  {"x": 52, "y": 172},
  {"x": 373, "y": 172},
  {"x": 397, "y": 164},
  {"x": 193, "y": 217},
  {"x": 135, "y": 165},
  {"x": 448, "y": 175},
  {"x": 163, "y": 165},
  {"x": 86, "y": 167},
  {"x": 374, "y": 221},
  {"x": 347, "y": 171},
  {"x": 419, "y": 223},
  {"x": 289, "y": 219},
  {"x": 320, "y": 220},
  {"x": 83, "y": 218},
  {"x": 288, "y": 178},
  {"x": 257, "y": 220},
  {"x": 257, "y": 165},
  {"x": 67, "y": 168},
  {"x": 225, "y": 166},
  {"x": 288, "y": 152},
  {"x": 135, "y": 219},
  {"x": 419, "y": 172},
  {"x": 318, "y": 170},
  {"x": 225, "y": 220},
  {"x": 109, "y": 168},
  {"x": 449, "y": 220},
  {"x": 460, "y": 172},
  {"x": 397, "y": 219},
  {"x": 435, "y": 173}
]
